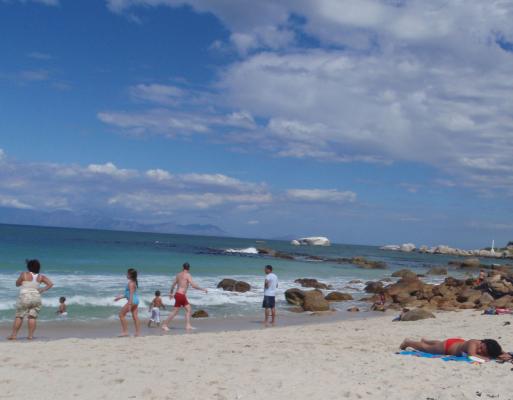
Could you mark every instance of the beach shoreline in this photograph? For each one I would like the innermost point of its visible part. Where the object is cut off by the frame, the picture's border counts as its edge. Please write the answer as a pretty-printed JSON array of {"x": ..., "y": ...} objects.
[
  {"x": 59, "y": 329},
  {"x": 353, "y": 359}
]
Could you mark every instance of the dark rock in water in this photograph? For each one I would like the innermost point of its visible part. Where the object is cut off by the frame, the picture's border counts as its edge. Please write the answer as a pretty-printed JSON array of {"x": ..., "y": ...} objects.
[
  {"x": 354, "y": 281},
  {"x": 385, "y": 280},
  {"x": 353, "y": 309},
  {"x": 232, "y": 285},
  {"x": 273, "y": 253},
  {"x": 200, "y": 314},
  {"x": 368, "y": 264},
  {"x": 437, "y": 271},
  {"x": 295, "y": 296},
  {"x": 338, "y": 296},
  {"x": 315, "y": 301},
  {"x": 404, "y": 273},
  {"x": 373, "y": 287},
  {"x": 416, "y": 314},
  {"x": 471, "y": 262},
  {"x": 312, "y": 283}
]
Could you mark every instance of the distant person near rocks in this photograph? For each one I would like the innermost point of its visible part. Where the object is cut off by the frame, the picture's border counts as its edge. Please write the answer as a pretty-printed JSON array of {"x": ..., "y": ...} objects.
[
  {"x": 29, "y": 299},
  {"x": 182, "y": 280},
  {"x": 269, "y": 303}
]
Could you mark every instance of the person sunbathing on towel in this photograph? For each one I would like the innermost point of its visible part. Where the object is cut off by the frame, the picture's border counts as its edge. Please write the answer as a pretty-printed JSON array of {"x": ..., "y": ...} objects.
[{"x": 485, "y": 348}]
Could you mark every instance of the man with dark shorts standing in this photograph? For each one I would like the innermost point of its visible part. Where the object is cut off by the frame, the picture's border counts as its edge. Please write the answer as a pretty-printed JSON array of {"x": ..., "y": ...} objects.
[
  {"x": 270, "y": 285},
  {"x": 182, "y": 280}
]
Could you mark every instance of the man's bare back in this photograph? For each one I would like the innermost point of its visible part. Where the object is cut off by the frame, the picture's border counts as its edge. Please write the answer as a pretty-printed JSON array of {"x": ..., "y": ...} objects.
[{"x": 183, "y": 280}]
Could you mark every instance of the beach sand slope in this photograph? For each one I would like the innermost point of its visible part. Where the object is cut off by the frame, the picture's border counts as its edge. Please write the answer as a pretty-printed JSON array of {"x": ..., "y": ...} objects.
[{"x": 342, "y": 360}]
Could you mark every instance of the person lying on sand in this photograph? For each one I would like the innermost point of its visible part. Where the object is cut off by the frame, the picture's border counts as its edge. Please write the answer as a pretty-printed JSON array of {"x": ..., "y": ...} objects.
[{"x": 485, "y": 348}]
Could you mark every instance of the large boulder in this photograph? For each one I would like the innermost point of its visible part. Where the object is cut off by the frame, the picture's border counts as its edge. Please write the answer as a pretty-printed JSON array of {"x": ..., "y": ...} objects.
[
  {"x": 232, "y": 285},
  {"x": 312, "y": 283},
  {"x": 315, "y": 301},
  {"x": 471, "y": 262},
  {"x": 503, "y": 302},
  {"x": 407, "y": 247},
  {"x": 416, "y": 314},
  {"x": 407, "y": 286},
  {"x": 485, "y": 299},
  {"x": 437, "y": 271},
  {"x": 499, "y": 288},
  {"x": 200, "y": 314},
  {"x": 295, "y": 296},
  {"x": 404, "y": 273},
  {"x": 338, "y": 296},
  {"x": 373, "y": 287},
  {"x": 469, "y": 296}
]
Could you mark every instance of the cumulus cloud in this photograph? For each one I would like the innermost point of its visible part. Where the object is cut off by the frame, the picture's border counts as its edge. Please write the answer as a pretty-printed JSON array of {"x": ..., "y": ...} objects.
[
  {"x": 415, "y": 81},
  {"x": 45, "y": 2},
  {"x": 157, "y": 93},
  {"x": 111, "y": 190},
  {"x": 321, "y": 195}
]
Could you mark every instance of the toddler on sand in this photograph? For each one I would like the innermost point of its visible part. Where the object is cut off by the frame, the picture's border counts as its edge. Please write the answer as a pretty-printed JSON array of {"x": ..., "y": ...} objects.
[{"x": 155, "y": 306}]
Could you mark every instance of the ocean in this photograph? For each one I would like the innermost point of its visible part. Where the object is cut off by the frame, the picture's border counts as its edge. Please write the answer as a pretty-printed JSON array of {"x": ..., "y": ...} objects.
[{"x": 88, "y": 267}]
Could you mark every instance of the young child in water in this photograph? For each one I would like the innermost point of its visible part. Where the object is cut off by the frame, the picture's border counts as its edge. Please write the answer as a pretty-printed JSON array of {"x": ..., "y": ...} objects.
[
  {"x": 62, "y": 311},
  {"x": 155, "y": 306}
]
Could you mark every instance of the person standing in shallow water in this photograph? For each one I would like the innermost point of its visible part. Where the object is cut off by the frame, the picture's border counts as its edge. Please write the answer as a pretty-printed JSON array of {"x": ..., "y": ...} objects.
[
  {"x": 29, "y": 299},
  {"x": 270, "y": 285},
  {"x": 182, "y": 280},
  {"x": 132, "y": 304}
]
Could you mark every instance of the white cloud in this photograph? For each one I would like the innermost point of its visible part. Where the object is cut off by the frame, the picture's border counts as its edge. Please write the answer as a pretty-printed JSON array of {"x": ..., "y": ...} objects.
[
  {"x": 8, "y": 201},
  {"x": 159, "y": 174},
  {"x": 39, "y": 56},
  {"x": 2, "y": 155},
  {"x": 321, "y": 195},
  {"x": 34, "y": 75},
  {"x": 157, "y": 93},
  {"x": 111, "y": 170},
  {"x": 127, "y": 192},
  {"x": 45, "y": 2},
  {"x": 415, "y": 81}
]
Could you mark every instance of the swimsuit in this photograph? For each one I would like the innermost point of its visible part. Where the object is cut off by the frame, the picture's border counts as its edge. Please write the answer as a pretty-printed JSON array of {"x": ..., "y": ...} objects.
[
  {"x": 29, "y": 299},
  {"x": 181, "y": 300},
  {"x": 450, "y": 342},
  {"x": 155, "y": 315},
  {"x": 135, "y": 299}
]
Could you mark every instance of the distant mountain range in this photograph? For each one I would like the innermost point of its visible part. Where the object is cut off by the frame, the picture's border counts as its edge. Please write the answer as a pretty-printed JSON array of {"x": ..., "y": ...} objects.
[{"x": 68, "y": 219}]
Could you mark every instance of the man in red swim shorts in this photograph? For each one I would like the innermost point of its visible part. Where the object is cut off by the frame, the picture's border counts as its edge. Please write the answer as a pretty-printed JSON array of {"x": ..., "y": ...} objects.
[{"x": 182, "y": 280}]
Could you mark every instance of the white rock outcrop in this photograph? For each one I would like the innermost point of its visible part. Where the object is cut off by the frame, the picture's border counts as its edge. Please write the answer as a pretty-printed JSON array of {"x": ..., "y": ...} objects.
[{"x": 314, "y": 241}]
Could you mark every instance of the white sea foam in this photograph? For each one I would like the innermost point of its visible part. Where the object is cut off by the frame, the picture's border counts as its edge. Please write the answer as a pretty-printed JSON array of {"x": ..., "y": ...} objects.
[{"x": 248, "y": 250}]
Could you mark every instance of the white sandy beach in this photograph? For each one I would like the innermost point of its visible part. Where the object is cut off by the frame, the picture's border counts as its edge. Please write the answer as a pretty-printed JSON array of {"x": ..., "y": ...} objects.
[{"x": 348, "y": 359}]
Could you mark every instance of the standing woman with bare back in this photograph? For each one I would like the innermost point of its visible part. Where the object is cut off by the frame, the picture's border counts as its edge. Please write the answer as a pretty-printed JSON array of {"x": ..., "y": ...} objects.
[{"x": 29, "y": 299}]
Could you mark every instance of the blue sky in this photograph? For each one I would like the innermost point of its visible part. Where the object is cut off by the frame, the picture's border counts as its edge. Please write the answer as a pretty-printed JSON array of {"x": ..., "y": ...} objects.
[{"x": 370, "y": 121}]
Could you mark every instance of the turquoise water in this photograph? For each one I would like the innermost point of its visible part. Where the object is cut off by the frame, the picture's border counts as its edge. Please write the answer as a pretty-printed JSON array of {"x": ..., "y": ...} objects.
[{"x": 89, "y": 266}]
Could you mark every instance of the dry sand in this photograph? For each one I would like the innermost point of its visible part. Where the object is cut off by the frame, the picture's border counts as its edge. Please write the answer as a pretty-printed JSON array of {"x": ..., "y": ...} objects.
[{"x": 348, "y": 359}]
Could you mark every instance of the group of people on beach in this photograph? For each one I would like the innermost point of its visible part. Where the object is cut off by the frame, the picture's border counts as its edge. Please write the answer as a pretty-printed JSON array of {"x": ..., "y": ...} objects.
[{"x": 32, "y": 284}]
